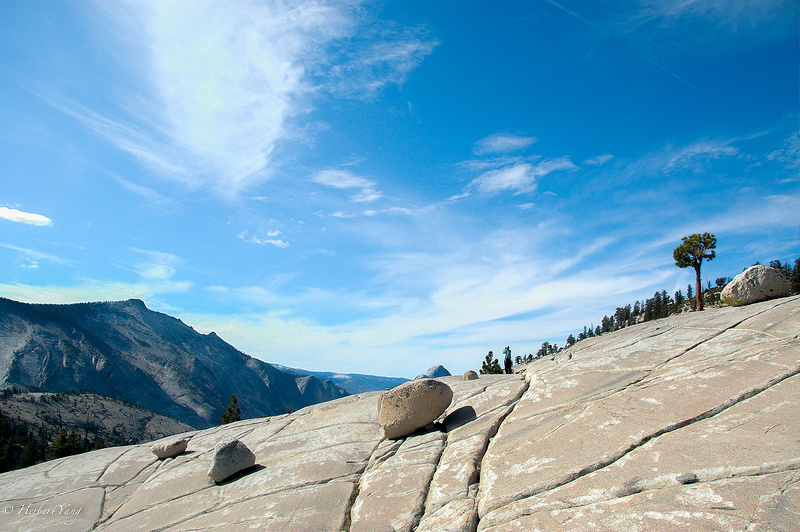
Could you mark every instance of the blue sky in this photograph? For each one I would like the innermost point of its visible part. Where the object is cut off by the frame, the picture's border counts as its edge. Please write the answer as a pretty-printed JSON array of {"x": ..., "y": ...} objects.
[{"x": 378, "y": 187}]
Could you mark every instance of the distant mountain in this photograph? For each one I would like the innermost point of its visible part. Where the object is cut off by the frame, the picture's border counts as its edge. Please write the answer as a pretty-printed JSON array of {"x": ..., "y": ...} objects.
[
  {"x": 353, "y": 383},
  {"x": 124, "y": 350}
]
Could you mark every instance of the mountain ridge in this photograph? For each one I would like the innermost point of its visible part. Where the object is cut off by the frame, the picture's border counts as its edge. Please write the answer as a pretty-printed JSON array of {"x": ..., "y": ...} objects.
[{"x": 124, "y": 350}]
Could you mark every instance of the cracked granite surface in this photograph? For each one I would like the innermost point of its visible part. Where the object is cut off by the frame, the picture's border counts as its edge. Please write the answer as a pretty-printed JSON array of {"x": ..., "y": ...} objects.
[{"x": 691, "y": 423}]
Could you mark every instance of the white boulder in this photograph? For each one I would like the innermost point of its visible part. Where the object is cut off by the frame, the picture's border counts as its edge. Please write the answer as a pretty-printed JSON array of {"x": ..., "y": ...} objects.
[{"x": 757, "y": 283}]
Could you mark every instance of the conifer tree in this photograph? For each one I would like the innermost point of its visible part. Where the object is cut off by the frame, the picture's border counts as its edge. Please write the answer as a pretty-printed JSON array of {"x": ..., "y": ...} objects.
[
  {"x": 233, "y": 413},
  {"x": 691, "y": 252},
  {"x": 490, "y": 365}
]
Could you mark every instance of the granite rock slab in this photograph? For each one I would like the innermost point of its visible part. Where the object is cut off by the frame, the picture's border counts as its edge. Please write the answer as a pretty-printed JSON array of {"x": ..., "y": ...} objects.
[{"x": 686, "y": 424}]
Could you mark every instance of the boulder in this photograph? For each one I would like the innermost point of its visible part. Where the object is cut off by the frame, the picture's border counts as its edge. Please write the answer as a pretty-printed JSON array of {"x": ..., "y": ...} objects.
[
  {"x": 757, "y": 283},
  {"x": 434, "y": 372},
  {"x": 169, "y": 448},
  {"x": 470, "y": 375},
  {"x": 230, "y": 457},
  {"x": 412, "y": 405}
]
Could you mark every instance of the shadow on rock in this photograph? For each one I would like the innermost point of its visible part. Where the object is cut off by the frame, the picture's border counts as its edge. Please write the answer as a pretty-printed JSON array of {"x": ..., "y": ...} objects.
[
  {"x": 458, "y": 418},
  {"x": 240, "y": 474}
]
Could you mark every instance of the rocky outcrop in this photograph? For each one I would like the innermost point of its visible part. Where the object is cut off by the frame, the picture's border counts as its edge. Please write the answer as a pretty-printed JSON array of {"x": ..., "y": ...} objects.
[
  {"x": 470, "y": 375},
  {"x": 685, "y": 424},
  {"x": 756, "y": 283}
]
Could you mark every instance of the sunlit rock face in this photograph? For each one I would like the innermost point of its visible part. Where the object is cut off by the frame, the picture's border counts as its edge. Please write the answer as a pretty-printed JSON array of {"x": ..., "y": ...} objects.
[
  {"x": 685, "y": 424},
  {"x": 756, "y": 283}
]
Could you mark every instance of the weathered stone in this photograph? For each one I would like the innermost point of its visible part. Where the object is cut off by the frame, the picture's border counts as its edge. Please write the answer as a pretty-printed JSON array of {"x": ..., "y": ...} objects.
[
  {"x": 456, "y": 516},
  {"x": 413, "y": 405},
  {"x": 169, "y": 448},
  {"x": 756, "y": 283},
  {"x": 230, "y": 457},
  {"x": 470, "y": 375}
]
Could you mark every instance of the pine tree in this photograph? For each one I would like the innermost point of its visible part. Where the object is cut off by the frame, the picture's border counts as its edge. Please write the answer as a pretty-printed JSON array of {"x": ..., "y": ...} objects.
[
  {"x": 795, "y": 279},
  {"x": 7, "y": 461},
  {"x": 232, "y": 413},
  {"x": 490, "y": 365},
  {"x": 60, "y": 447},
  {"x": 691, "y": 252}
]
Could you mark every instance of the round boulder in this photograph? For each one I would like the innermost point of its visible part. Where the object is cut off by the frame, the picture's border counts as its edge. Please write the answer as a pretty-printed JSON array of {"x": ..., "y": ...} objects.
[
  {"x": 230, "y": 457},
  {"x": 470, "y": 375},
  {"x": 756, "y": 283},
  {"x": 412, "y": 405}
]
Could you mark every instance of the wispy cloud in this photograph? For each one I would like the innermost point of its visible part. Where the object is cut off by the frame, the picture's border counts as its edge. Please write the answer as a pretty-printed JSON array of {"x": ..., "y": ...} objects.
[
  {"x": 519, "y": 178},
  {"x": 157, "y": 271},
  {"x": 382, "y": 54},
  {"x": 34, "y": 256},
  {"x": 500, "y": 143},
  {"x": 29, "y": 218},
  {"x": 344, "y": 179},
  {"x": 789, "y": 152},
  {"x": 224, "y": 87},
  {"x": 693, "y": 154},
  {"x": 270, "y": 240},
  {"x": 599, "y": 160}
]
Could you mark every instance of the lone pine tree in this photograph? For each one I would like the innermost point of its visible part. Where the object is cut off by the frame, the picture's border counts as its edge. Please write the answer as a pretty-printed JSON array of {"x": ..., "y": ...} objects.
[
  {"x": 691, "y": 252},
  {"x": 233, "y": 413}
]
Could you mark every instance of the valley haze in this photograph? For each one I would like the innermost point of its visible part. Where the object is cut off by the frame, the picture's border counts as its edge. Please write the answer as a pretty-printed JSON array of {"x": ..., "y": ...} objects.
[{"x": 378, "y": 187}]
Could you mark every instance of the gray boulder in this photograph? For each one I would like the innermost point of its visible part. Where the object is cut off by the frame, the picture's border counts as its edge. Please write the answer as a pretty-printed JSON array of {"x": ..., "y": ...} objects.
[
  {"x": 169, "y": 448},
  {"x": 757, "y": 283},
  {"x": 412, "y": 405},
  {"x": 230, "y": 457},
  {"x": 470, "y": 375}
]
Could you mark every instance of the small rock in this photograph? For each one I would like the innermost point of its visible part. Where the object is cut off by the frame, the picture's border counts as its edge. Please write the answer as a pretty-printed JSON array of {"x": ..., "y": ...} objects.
[
  {"x": 230, "y": 457},
  {"x": 412, "y": 405},
  {"x": 756, "y": 283},
  {"x": 169, "y": 448},
  {"x": 470, "y": 375}
]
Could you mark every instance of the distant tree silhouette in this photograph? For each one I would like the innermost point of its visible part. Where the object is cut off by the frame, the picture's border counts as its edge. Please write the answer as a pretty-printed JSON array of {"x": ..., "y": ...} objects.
[
  {"x": 795, "y": 278},
  {"x": 233, "y": 413},
  {"x": 691, "y": 252}
]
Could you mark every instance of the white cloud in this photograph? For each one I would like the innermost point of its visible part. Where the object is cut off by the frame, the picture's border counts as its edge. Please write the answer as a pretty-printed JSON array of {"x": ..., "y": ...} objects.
[
  {"x": 253, "y": 239},
  {"x": 29, "y": 218},
  {"x": 519, "y": 178},
  {"x": 344, "y": 179},
  {"x": 502, "y": 143},
  {"x": 223, "y": 85},
  {"x": 692, "y": 155},
  {"x": 599, "y": 160},
  {"x": 384, "y": 53}
]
